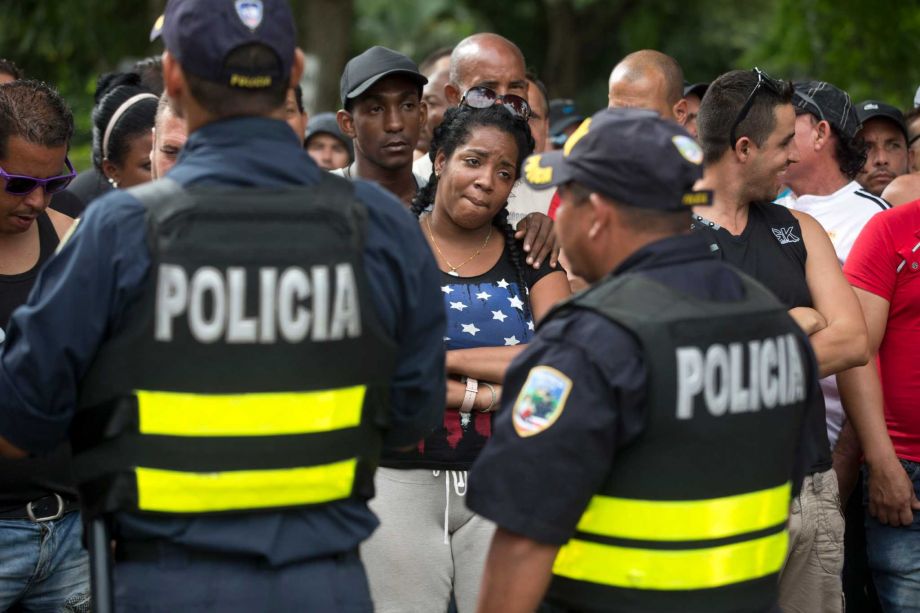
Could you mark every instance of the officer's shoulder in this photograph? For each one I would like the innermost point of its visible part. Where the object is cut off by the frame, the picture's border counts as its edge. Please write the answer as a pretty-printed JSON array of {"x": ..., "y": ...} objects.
[
  {"x": 112, "y": 210},
  {"x": 385, "y": 212},
  {"x": 602, "y": 340}
]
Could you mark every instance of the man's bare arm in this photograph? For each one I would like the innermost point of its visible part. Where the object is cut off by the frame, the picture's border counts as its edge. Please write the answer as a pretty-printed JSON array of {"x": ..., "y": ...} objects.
[
  {"x": 518, "y": 571},
  {"x": 843, "y": 343},
  {"x": 9, "y": 450},
  {"x": 891, "y": 493}
]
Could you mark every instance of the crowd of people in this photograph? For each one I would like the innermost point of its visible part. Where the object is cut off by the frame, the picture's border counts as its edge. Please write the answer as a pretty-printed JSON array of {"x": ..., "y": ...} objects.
[{"x": 456, "y": 345}]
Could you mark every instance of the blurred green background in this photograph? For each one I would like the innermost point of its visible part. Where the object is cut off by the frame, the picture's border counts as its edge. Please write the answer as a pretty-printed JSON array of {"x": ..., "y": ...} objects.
[{"x": 871, "y": 49}]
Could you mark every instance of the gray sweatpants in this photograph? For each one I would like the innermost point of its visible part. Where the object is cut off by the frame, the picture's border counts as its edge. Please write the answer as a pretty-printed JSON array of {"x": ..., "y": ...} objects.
[{"x": 410, "y": 567}]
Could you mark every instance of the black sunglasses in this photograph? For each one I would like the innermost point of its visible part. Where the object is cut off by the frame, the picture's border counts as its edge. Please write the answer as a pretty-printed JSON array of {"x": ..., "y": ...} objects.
[
  {"x": 21, "y": 185},
  {"x": 763, "y": 81},
  {"x": 481, "y": 97}
]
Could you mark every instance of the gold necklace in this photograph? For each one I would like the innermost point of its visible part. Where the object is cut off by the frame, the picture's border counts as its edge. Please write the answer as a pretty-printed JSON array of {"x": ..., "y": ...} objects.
[{"x": 453, "y": 269}]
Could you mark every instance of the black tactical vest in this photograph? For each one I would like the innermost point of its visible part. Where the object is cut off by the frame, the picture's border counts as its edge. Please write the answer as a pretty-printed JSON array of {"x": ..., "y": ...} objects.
[
  {"x": 252, "y": 373},
  {"x": 692, "y": 516}
]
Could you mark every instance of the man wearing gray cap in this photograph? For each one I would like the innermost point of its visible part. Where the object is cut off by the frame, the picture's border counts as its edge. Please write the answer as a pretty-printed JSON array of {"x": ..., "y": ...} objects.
[
  {"x": 633, "y": 467},
  {"x": 223, "y": 346},
  {"x": 326, "y": 144}
]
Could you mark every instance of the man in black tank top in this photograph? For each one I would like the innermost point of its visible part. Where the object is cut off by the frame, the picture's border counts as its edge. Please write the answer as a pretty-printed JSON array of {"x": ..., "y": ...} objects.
[
  {"x": 747, "y": 132},
  {"x": 40, "y": 526}
]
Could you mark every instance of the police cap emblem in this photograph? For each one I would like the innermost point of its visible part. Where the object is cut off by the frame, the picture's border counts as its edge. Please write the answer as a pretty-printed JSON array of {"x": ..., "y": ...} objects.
[{"x": 250, "y": 12}]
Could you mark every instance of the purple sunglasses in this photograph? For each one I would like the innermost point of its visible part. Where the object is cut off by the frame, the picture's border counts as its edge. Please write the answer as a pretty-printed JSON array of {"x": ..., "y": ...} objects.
[{"x": 22, "y": 185}]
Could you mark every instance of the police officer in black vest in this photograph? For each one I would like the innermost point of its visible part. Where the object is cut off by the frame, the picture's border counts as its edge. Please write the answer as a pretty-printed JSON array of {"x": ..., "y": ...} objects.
[
  {"x": 645, "y": 454},
  {"x": 229, "y": 348}
]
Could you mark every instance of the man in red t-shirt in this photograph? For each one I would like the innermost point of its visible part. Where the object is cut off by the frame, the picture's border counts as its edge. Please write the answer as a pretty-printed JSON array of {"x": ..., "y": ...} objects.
[{"x": 884, "y": 269}]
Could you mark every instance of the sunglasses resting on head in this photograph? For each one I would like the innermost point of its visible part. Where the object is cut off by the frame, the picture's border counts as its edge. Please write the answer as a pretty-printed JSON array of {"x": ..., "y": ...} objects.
[{"x": 481, "y": 97}]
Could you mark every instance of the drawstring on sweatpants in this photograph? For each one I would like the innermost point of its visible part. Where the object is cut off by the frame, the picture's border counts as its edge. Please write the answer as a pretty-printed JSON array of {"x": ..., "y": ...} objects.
[{"x": 459, "y": 477}]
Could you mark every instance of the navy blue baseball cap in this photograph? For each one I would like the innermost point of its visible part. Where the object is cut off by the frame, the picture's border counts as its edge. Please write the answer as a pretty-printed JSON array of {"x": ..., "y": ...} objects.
[
  {"x": 632, "y": 156},
  {"x": 200, "y": 34}
]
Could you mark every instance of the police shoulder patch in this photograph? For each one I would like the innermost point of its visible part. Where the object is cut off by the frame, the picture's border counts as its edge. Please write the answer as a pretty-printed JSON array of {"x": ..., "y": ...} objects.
[
  {"x": 541, "y": 400},
  {"x": 688, "y": 149}
]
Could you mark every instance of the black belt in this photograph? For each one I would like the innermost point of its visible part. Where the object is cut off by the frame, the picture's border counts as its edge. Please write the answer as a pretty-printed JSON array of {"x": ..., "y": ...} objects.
[{"x": 43, "y": 509}]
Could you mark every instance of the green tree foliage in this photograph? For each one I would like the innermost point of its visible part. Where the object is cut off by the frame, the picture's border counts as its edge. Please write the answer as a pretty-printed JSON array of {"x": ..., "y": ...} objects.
[
  {"x": 870, "y": 49},
  {"x": 70, "y": 43}
]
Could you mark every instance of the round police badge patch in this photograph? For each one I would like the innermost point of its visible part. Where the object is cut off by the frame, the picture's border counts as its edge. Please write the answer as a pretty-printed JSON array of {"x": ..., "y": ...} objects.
[{"x": 541, "y": 400}]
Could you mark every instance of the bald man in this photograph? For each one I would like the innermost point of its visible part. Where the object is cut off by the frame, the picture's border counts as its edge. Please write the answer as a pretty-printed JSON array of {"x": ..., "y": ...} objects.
[
  {"x": 488, "y": 60},
  {"x": 649, "y": 79}
]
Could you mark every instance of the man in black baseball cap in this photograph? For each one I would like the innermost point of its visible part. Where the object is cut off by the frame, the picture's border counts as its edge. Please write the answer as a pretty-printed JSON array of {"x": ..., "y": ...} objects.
[
  {"x": 693, "y": 94},
  {"x": 619, "y": 385},
  {"x": 223, "y": 361},
  {"x": 887, "y": 153},
  {"x": 563, "y": 119},
  {"x": 383, "y": 113}
]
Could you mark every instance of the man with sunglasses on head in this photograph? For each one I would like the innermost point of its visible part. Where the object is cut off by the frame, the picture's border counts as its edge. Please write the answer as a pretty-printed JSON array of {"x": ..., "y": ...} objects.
[
  {"x": 747, "y": 130},
  {"x": 488, "y": 69},
  {"x": 383, "y": 113},
  {"x": 40, "y": 525}
]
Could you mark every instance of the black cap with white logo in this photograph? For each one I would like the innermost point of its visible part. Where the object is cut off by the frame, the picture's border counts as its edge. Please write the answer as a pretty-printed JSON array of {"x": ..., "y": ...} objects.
[{"x": 872, "y": 109}]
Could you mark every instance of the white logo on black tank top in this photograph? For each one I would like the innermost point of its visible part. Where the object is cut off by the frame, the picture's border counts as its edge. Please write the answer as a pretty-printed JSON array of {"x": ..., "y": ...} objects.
[{"x": 785, "y": 235}]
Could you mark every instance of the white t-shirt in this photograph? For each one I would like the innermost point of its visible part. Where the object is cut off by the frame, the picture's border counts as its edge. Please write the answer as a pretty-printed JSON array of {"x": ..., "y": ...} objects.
[
  {"x": 842, "y": 215},
  {"x": 523, "y": 200}
]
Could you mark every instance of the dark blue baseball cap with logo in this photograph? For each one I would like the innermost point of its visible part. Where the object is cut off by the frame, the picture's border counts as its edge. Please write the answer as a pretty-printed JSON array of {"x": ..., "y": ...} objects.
[
  {"x": 200, "y": 34},
  {"x": 632, "y": 156}
]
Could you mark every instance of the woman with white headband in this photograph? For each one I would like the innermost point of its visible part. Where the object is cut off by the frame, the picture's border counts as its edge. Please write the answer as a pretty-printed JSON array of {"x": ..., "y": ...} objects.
[{"x": 122, "y": 120}]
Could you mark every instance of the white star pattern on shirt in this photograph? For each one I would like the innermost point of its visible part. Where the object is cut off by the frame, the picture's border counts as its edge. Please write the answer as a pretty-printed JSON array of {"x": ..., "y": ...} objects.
[
  {"x": 530, "y": 325},
  {"x": 447, "y": 290},
  {"x": 510, "y": 342},
  {"x": 470, "y": 329},
  {"x": 516, "y": 303},
  {"x": 458, "y": 306},
  {"x": 502, "y": 284},
  {"x": 499, "y": 316},
  {"x": 483, "y": 295}
]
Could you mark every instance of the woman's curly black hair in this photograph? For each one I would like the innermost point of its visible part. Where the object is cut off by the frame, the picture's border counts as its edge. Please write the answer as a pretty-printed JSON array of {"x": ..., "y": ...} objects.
[{"x": 455, "y": 130}]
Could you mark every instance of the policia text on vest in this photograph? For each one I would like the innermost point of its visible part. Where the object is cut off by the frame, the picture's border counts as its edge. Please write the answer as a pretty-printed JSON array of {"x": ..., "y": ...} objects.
[
  {"x": 252, "y": 372},
  {"x": 294, "y": 304},
  {"x": 740, "y": 377}
]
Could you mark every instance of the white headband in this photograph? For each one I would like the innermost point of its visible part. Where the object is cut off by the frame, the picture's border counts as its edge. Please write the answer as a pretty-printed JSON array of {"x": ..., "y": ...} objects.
[{"x": 117, "y": 115}]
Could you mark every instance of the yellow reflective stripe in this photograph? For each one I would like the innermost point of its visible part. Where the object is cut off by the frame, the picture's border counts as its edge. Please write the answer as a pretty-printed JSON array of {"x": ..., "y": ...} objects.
[
  {"x": 685, "y": 569},
  {"x": 277, "y": 413},
  {"x": 171, "y": 491},
  {"x": 686, "y": 520}
]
